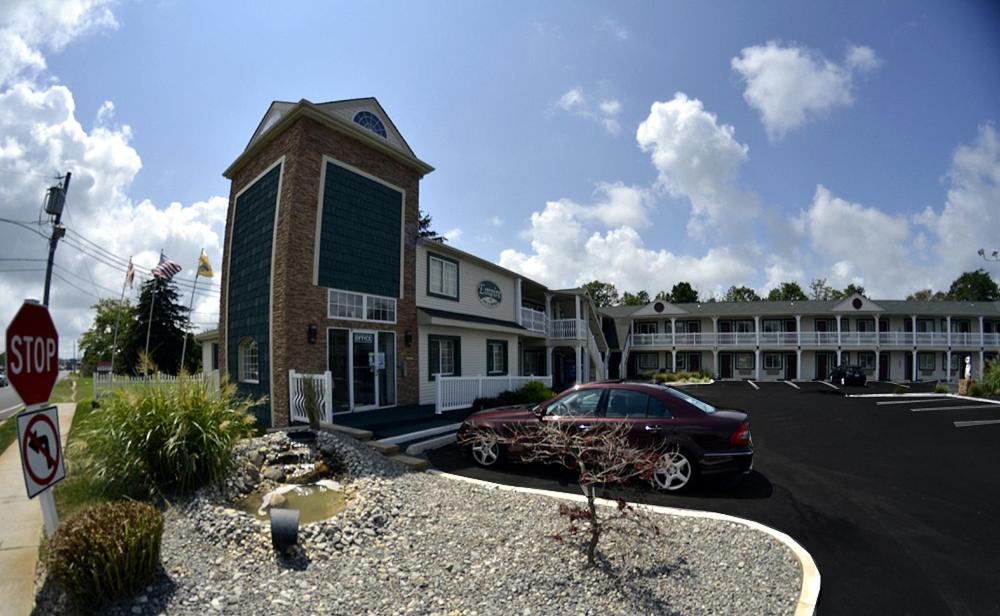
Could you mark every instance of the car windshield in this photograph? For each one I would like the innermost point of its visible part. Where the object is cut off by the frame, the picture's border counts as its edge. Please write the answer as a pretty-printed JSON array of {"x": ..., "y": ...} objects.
[{"x": 704, "y": 406}]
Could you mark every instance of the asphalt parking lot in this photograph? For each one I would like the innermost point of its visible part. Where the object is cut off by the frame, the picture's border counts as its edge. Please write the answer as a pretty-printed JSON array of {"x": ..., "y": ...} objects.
[{"x": 899, "y": 504}]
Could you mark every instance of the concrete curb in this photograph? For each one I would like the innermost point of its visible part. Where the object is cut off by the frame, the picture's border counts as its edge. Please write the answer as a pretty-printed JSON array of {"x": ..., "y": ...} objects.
[{"x": 808, "y": 595}]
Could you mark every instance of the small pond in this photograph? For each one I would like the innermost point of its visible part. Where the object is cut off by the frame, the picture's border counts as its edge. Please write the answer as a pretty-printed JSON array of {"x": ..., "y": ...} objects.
[{"x": 315, "y": 502}]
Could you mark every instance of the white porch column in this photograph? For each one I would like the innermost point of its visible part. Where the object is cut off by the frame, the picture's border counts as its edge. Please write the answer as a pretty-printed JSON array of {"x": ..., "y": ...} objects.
[
  {"x": 877, "y": 363},
  {"x": 947, "y": 365},
  {"x": 947, "y": 321},
  {"x": 548, "y": 361},
  {"x": 576, "y": 301},
  {"x": 913, "y": 319},
  {"x": 798, "y": 365},
  {"x": 756, "y": 333},
  {"x": 876, "y": 341},
  {"x": 798, "y": 332},
  {"x": 838, "y": 334},
  {"x": 756, "y": 363},
  {"x": 585, "y": 364},
  {"x": 673, "y": 360},
  {"x": 579, "y": 369},
  {"x": 715, "y": 363},
  {"x": 673, "y": 335},
  {"x": 517, "y": 302},
  {"x": 914, "y": 374},
  {"x": 982, "y": 366},
  {"x": 838, "y": 357},
  {"x": 982, "y": 340}
]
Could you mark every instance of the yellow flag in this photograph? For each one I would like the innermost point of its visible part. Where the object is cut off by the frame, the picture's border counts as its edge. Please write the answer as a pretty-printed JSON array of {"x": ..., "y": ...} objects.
[{"x": 204, "y": 267}]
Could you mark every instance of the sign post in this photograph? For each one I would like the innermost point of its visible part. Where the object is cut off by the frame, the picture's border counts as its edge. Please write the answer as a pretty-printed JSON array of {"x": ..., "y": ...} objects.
[{"x": 32, "y": 347}]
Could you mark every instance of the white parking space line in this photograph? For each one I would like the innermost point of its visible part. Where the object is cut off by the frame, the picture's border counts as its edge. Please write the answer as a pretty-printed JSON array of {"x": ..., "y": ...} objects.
[
  {"x": 969, "y": 424},
  {"x": 956, "y": 408},
  {"x": 754, "y": 385},
  {"x": 792, "y": 384},
  {"x": 909, "y": 401},
  {"x": 900, "y": 385},
  {"x": 829, "y": 385}
]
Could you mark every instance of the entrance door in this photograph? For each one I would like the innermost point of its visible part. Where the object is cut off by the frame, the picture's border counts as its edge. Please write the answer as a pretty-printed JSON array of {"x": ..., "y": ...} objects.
[
  {"x": 364, "y": 371},
  {"x": 791, "y": 366},
  {"x": 908, "y": 363},
  {"x": 883, "y": 366},
  {"x": 338, "y": 351},
  {"x": 385, "y": 361},
  {"x": 726, "y": 365},
  {"x": 822, "y": 366},
  {"x": 694, "y": 362}
]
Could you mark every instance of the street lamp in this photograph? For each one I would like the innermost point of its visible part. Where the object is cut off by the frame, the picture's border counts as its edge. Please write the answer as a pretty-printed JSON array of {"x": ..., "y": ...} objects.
[{"x": 993, "y": 255}]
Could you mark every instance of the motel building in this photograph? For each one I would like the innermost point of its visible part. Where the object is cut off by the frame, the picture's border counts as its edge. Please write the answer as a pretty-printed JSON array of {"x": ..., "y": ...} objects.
[
  {"x": 892, "y": 340},
  {"x": 324, "y": 276}
]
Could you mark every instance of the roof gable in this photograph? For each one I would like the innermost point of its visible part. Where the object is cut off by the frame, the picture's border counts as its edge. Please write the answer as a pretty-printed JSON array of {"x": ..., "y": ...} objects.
[
  {"x": 857, "y": 303},
  {"x": 658, "y": 309}
]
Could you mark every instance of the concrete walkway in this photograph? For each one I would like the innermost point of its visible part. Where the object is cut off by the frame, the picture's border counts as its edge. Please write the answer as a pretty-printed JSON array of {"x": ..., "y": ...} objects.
[{"x": 21, "y": 530}]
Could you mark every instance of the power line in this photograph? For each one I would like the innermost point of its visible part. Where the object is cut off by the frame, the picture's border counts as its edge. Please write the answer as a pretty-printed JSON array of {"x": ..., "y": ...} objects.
[
  {"x": 20, "y": 259},
  {"x": 24, "y": 269}
]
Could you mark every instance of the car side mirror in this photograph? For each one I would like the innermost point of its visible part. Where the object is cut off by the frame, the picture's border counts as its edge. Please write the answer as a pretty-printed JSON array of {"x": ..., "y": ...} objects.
[{"x": 538, "y": 411}]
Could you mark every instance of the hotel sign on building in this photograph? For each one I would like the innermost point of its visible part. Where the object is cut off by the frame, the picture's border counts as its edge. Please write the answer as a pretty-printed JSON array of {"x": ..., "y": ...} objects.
[{"x": 489, "y": 293}]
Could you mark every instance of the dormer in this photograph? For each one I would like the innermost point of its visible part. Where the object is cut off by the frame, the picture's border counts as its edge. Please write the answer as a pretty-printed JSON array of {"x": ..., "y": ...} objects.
[{"x": 857, "y": 303}]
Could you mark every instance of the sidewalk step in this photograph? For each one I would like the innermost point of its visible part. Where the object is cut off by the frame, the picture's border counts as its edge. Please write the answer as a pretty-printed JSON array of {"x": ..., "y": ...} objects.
[
  {"x": 420, "y": 447},
  {"x": 361, "y": 435},
  {"x": 417, "y": 464},
  {"x": 419, "y": 434}
]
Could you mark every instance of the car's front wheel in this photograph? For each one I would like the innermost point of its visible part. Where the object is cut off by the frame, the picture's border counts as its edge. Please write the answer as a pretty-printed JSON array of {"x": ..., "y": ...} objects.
[
  {"x": 676, "y": 471},
  {"x": 486, "y": 451}
]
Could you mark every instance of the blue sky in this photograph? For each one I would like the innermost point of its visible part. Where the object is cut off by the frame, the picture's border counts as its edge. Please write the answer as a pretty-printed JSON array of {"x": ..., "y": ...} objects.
[{"x": 852, "y": 141}]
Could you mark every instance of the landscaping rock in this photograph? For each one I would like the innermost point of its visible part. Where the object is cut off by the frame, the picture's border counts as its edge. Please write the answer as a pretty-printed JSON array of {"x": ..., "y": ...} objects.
[{"x": 274, "y": 473}]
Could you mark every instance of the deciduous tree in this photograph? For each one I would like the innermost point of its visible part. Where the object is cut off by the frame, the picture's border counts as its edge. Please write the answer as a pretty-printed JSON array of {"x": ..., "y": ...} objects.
[
  {"x": 787, "y": 292},
  {"x": 683, "y": 293},
  {"x": 977, "y": 286},
  {"x": 604, "y": 294},
  {"x": 638, "y": 299},
  {"x": 740, "y": 294},
  {"x": 97, "y": 343}
]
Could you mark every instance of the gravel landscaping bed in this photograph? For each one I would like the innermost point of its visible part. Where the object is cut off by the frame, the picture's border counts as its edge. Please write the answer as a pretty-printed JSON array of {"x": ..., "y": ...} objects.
[{"x": 411, "y": 543}]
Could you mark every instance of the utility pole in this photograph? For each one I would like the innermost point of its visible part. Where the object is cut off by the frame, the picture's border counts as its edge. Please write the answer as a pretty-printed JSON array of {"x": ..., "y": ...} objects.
[{"x": 54, "y": 202}]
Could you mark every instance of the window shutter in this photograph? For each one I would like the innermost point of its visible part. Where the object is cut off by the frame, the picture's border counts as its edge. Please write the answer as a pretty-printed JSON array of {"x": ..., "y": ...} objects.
[
  {"x": 506, "y": 367},
  {"x": 490, "y": 368},
  {"x": 433, "y": 358},
  {"x": 458, "y": 357}
]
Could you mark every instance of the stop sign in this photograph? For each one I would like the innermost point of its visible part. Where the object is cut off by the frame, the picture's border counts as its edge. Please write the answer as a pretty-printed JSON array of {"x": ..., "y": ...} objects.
[{"x": 32, "y": 353}]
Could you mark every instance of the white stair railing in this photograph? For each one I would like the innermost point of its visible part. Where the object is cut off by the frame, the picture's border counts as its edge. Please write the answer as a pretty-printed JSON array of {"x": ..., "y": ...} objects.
[{"x": 459, "y": 392}]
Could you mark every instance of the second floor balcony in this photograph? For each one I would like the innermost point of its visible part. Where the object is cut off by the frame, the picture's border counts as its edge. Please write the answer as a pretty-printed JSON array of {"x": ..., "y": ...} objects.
[{"x": 816, "y": 339}]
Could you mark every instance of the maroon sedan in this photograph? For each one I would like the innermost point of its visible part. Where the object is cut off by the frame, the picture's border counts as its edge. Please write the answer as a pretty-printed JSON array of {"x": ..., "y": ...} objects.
[{"x": 697, "y": 438}]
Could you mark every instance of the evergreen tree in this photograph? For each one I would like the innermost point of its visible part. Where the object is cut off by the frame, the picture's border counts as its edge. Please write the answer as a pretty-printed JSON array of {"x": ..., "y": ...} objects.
[
  {"x": 851, "y": 289},
  {"x": 683, "y": 293},
  {"x": 166, "y": 336},
  {"x": 424, "y": 228}
]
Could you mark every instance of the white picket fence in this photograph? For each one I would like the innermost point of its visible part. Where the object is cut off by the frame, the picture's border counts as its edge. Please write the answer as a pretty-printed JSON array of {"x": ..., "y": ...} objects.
[
  {"x": 106, "y": 383},
  {"x": 296, "y": 396},
  {"x": 459, "y": 392}
]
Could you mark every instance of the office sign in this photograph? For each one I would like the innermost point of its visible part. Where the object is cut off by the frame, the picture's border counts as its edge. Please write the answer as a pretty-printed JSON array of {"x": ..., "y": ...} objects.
[{"x": 489, "y": 293}]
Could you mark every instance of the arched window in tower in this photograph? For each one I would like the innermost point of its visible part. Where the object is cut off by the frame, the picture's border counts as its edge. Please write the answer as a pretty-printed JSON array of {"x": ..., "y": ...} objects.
[{"x": 370, "y": 121}]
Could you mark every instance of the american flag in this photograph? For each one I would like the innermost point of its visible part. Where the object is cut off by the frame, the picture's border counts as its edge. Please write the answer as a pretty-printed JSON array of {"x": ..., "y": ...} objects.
[
  {"x": 130, "y": 274},
  {"x": 167, "y": 269}
]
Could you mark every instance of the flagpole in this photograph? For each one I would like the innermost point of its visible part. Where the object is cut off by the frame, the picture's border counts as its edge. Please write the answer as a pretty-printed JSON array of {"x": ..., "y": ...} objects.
[
  {"x": 190, "y": 308},
  {"x": 118, "y": 322},
  {"x": 152, "y": 302}
]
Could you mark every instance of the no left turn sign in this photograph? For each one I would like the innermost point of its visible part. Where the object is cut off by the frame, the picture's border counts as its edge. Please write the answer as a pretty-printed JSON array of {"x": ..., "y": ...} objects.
[{"x": 41, "y": 450}]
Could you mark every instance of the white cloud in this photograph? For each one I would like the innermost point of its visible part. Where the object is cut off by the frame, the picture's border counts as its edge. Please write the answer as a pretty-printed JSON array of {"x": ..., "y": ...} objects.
[
  {"x": 452, "y": 235},
  {"x": 41, "y": 135},
  {"x": 970, "y": 218},
  {"x": 698, "y": 159},
  {"x": 496, "y": 221},
  {"x": 789, "y": 85},
  {"x": 613, "y": 27},
  {"x": 604, "y": 113}
]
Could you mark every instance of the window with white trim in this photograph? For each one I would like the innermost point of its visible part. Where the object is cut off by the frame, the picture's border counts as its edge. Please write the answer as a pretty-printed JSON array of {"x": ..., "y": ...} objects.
[
  {"x": 773, "y": 361},
  {"x": 361, "y": 307},
  {"x": 249, "y": 361},
  {"x": 648, "y": 361},
  {"x": 866, "y": 360},
  {"x": 927, "y": 361},
  {"x": 442, "y": 277},
  {"x": 744, "y": 361},
  {"x": 645, "y": 327},
  {"x": 496, "y": 357}
]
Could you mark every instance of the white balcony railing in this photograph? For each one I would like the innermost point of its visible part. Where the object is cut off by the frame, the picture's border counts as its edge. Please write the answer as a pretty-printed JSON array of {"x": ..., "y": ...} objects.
[
  {"x": 459, "y": 392},
  {"x": 533, "y": 320},
  {"x": 813, "y": 339},
  {"x": 563, "y": 329}
]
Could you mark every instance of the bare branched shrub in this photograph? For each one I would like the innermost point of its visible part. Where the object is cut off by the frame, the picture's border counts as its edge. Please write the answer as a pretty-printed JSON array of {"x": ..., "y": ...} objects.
[{"x": 600, "y": 455}]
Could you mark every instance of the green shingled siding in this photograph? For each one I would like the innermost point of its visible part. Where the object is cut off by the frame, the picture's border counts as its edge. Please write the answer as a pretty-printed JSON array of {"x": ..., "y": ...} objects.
[
  {"x": 248, "y": 303},
  {"x": 360, "y": 236}
]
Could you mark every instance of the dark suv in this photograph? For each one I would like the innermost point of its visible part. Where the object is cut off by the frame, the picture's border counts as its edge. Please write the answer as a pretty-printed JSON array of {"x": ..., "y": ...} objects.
[
  {"x": 698, "y": 438},
  {"x": 848, "y": 375}
]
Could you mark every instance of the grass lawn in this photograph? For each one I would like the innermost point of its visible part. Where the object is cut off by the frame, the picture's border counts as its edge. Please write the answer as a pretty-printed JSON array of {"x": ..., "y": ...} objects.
[
  {"x": 8, "y": 432},
  {"x": 64, "y": 390},
  {"x": 76, "y": 491}
]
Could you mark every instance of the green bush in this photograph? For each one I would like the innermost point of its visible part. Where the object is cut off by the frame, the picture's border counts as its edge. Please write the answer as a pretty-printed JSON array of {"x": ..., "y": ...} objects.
[
  {"x": 940, "y": 389},
  {"x": 106, "y": 552},
  {"x": 532, "y": 392},
  {"x": 167, "y": 438},
  {"x": 991, "y": 378},
  {"x": 977, "y": 390},
  {"x": 899, "y": 390}
]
